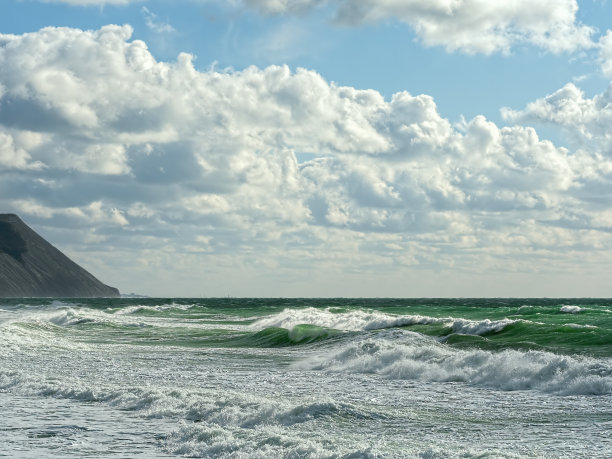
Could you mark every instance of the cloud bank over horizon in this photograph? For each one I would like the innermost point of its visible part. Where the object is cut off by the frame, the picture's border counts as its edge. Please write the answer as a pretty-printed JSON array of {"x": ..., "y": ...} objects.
[{"x": 283, "y": 173}]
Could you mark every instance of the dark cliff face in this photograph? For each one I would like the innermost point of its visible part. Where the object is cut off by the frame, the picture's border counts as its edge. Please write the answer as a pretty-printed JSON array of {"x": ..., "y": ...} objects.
[{"x": 31, "y": 267}]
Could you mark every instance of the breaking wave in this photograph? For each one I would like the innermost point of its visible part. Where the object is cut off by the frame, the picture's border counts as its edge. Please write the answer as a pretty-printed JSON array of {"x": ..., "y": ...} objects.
[
  {"x": 362, "y": 320},
  {"x": 569, "y": 309},
  {"x": 208, "y": 423},
  {"x": 410, "y": 356}
]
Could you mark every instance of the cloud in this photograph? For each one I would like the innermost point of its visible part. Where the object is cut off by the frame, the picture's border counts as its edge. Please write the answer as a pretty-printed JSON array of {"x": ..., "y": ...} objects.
[
  {"x": 471, "y": 26},
  {"x": 586, "y": 120},
  {"x": 605, "y": 53},
  {"x": 282, "y": 6},
  {"x": 13, "y": 156},
  {"x": 153, "y": 24},
  {"x": 93, "y": 214},
  {"x": 188, "y": 173},
  {"x": 93, "y": 2}
]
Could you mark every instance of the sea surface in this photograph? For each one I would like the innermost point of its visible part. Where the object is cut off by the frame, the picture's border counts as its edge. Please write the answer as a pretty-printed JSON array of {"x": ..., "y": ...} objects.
[{"x": 293, "y": 378}]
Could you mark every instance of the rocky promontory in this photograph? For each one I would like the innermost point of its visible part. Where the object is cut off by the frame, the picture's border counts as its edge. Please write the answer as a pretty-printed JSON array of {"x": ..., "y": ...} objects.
[{"x": 31, "y": 267}]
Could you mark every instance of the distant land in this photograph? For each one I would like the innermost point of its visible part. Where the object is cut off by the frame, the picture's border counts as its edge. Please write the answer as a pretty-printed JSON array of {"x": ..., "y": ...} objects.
[
  {"x": 32, "y": 267},
  {"x": 134, "y": 295}
]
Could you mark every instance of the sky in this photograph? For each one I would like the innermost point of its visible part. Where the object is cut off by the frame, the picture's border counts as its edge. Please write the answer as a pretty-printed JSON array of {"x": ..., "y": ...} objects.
[{"x": 314, "y": 148}]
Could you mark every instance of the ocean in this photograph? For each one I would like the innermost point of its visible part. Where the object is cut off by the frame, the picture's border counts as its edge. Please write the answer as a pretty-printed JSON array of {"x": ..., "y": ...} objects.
[{"x": 311, "y": 378}]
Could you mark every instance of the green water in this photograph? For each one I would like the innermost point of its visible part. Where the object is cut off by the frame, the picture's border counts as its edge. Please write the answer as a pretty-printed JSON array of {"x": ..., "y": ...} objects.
[
  {"x": 332, "y": 378},
  {"x": 567, "y": 326}
]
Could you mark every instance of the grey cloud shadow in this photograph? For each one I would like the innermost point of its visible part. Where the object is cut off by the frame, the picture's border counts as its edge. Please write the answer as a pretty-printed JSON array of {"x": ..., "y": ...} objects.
[
  {"x": 139, "y": 120},
  {"x": 31, "y": 115},
  {"x": 176, "y": 163},
  {"x": 75, "y": 189}
]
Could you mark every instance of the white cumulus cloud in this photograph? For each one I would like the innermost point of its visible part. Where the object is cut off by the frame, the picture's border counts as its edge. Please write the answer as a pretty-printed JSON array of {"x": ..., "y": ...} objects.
[
  {"x": 196, "y": 173},
  {"x": 13, "y": 156},
  {"x": 587, "y": 120},
  {"x": 605, "y": 53},
  {"x": 472, "y": 26}
]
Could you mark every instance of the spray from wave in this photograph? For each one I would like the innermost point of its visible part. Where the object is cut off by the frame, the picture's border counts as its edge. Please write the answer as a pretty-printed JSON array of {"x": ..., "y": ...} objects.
[
  {"x": 363, "y": 320},
  {"x": 411, "y": 356}
]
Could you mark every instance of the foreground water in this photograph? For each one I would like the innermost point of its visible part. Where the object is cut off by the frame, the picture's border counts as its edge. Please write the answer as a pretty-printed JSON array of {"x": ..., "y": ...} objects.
[{"x": 306, "y": 378}]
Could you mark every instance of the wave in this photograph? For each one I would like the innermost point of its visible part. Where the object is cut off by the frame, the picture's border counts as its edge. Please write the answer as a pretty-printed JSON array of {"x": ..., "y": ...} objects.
[
  {"x": 39, "y": 330},
  {"x": 357, "y": 320},
  {"x": 41, "y": 303},
  {"x": 211, "y": 440},
  {"x": 143, "y": 308},
  {"x": 570, "y": 309},
  {"x": 279, "y": 337},
  {"x": 575, "y": 309},
  {"x": 363, "y": 320},
  {"x": 39, "y": 339},
  {"x": 66, "y": 317},
  {"x": 232, "y": 409},
  {"x": 580, "y": 326},
  {"x": 83, "y": 316},
  {"x": 480, "y": 327},
  {"x": 213, "y": 424},
  {"x": 410, "y": 356}
]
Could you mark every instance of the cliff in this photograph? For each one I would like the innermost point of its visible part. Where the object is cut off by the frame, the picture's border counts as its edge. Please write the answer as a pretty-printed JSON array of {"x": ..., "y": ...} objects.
[{"x": 31, "y": 267}]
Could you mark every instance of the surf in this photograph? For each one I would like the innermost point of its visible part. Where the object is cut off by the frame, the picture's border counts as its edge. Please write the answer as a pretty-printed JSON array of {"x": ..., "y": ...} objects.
[{"x": 410, "y": 356}]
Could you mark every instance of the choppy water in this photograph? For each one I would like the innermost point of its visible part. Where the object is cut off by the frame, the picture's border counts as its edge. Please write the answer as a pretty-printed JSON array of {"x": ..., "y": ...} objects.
[{"x": 306, "y": 378}]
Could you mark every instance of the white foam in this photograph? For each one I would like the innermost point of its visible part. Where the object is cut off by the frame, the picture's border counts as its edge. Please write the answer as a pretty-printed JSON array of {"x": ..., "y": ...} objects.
[
  {"x": 71, "y": 317},
  {"x": 360, "y": 320},
  {"x": 570, "y": 309},
  {"x": 417, "y": 358},
  {"x": 157, "y": 308},
  {"x": 68, "y": 318},
  {"x": 206, "y": 440},
  {"x": 578, "y": 326},
  {"x": 210, "y": 423},
  {"x": 21, "y": 337},
  {"x": 482, "y": 327},
  {"x": 230, "y": 409}
]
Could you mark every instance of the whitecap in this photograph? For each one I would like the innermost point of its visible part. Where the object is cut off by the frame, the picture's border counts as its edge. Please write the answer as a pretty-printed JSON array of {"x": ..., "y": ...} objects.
[
  {"x": 418, "y": 358},
  {"x": 481, "y": 327},
  {"x": 361, "y": 320},
  {"x": 134, "y": 309}
]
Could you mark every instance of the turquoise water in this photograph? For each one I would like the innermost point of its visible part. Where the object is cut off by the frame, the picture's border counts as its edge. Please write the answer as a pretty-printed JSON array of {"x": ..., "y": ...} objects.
[{"x": 306, "y": 377}]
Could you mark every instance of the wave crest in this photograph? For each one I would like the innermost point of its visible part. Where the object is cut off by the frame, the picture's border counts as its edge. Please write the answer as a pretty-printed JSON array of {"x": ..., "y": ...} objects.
[
  {"x": 360, "y": 320},
  {"x": 569, "y": 309},
  {"x": 415, "y": 357}
]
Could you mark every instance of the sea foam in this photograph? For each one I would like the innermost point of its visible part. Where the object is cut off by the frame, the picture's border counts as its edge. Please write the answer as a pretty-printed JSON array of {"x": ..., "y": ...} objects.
[
  {"x": 570, "y": 309},
  {"x": 360, "y": 320},
  {"x": 209, "y": 423},
  {"x": 416, "y": 357}
]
